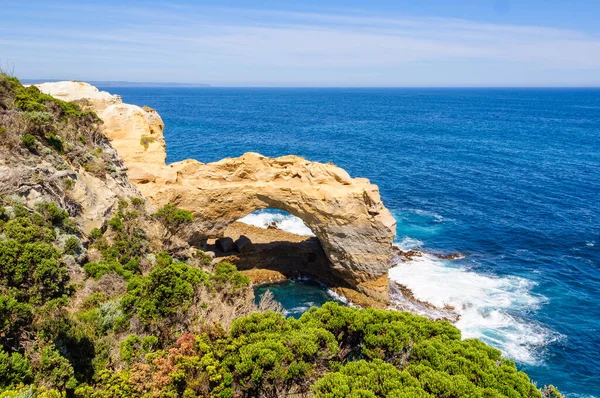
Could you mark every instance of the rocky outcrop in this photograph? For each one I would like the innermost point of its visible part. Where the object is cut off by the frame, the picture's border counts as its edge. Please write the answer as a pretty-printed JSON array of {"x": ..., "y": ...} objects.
[{"x": 346, "y": 214}]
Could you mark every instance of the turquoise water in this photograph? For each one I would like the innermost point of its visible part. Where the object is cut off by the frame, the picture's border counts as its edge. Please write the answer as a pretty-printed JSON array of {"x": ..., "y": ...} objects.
[
  {"x": 509, "y": 177},
  {"x": 296, "y": 297}
]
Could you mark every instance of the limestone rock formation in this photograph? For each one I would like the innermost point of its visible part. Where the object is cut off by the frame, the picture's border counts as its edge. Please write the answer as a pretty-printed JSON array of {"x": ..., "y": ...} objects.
[{"x": 346, "y": 214}]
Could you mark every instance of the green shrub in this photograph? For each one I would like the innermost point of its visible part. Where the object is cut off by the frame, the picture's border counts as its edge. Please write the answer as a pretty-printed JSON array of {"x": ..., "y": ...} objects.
[
  {"x": 128, "y": 240},
  {"x": 52, "y": 213},
  {"x": 205, "y": 259},
  {"x": 70, "y": 226},
  {"x": 72, "y": 245},
  {"x": 339, "y": 351},
  {"x": 93, "y": 300},
  {"x": 14, "y": 370},
  {"x": 551, "y": 392},
  {"x": 149, "y": 343},
  {"x": 116, "y": 223},
  {"x": 39, "y": 122},
  {"x": 98, "y": 269},
  {"x": 55, "y": 142},
  {"x": 21, "y": 211},
  {"x": 55, "y": 370},
  {"x": 370, "y": 379},
  {"x": 129, "y": 348},
  {"x": 28, "y": 140},
  {"x": 137, "y": 202},
  {"x": 15, "y": 318},
  {"x": 95, "y": 233},
  {"x": 30, "y": 99},
  {"x": 173, "y": 218},
  {"x": 23, "y": 230},
  {"x": 123, "y": 204},
  {"x": 33, "y": 268},
  {"x": 146, "y": 140},
  {"x": 226, "y": 275},
  {"x": 167, "y": 290}
]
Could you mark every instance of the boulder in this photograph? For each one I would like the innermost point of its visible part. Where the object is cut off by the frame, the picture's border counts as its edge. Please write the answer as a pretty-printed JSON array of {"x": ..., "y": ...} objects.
[
  {"x": 224, "y": 245},
  {"x": 243, "y": 244}
]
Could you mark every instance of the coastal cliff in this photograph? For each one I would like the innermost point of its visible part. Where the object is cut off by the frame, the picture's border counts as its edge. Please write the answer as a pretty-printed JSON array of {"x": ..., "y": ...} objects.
[{"x": 346, "y": 214}]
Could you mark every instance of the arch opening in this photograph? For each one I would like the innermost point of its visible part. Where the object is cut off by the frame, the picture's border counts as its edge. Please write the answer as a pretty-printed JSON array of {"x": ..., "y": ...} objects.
[{"x": 272, "y": 218}]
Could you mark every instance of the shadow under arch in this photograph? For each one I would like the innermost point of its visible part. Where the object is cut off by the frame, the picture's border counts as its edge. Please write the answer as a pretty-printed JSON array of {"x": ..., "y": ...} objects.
[{"x": 278, "y": 242}]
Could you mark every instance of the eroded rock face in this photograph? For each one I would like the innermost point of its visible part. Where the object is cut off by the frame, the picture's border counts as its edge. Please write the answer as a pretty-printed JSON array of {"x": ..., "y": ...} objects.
[{"x": 346, "y": 214}]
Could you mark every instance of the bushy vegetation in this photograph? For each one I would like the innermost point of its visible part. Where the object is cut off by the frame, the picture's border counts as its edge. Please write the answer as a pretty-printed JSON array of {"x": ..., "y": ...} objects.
[
  {"x": 334, "y": 351},
  {"x": 47, "y": 346},
  {"x": 152, "y": 339},
  {"x": 28, "y": 140},
  {"x": 173, "y": 219},
  {"x": 168, "y": 290},
  {"x": 33, "y": 290},
  {"x": 45, "y": 126}
]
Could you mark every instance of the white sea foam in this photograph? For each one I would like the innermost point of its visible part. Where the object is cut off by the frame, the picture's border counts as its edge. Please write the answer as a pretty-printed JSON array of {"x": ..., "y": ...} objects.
[
  {"x": 408, "y": 243},
  {"x": 286, "y": 222},
  {"x": 296, "y": 310},
  {"x": 340, "y": 298},
  {"x": 488, "y": 305},
  {"x": 436, "y": 217}
]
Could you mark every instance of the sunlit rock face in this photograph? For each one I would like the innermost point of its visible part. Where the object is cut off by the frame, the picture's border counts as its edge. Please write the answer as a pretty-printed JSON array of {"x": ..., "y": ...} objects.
[{"x": 346, "y": 214}]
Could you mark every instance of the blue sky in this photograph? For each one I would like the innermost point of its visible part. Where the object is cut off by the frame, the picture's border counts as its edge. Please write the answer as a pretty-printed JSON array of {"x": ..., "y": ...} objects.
[{"x": 306, "y": 43}]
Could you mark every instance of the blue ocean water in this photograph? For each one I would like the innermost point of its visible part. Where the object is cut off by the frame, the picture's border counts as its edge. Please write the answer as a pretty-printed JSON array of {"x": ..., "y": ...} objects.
[{"x": 509, "y": 177}]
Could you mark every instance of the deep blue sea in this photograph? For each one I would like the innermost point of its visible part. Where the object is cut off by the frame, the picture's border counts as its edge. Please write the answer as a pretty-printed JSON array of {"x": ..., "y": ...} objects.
[{"x": 509, "y": 177}]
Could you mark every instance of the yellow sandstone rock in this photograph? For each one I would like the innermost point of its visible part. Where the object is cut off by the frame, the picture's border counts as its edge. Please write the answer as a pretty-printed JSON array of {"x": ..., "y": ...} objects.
[{"x": 346, "y": 214}]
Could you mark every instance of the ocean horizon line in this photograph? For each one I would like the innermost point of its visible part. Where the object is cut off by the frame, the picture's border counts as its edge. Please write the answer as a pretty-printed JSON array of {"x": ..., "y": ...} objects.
[{"x": 124, "y": 83}]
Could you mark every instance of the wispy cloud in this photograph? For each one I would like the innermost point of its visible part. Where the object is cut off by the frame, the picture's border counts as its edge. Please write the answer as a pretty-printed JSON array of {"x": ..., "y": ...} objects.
[{"x": 248, "y": 46}]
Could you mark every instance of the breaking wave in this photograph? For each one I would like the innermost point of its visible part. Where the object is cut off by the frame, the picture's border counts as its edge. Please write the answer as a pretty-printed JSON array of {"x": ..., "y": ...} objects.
[{"x": 489, "y": 306}]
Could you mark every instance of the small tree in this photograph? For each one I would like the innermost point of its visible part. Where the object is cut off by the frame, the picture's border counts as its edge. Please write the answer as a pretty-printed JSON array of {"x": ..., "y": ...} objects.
[
  {"x": 28, "y": 140},
  {"x": 173, "y": 218}
]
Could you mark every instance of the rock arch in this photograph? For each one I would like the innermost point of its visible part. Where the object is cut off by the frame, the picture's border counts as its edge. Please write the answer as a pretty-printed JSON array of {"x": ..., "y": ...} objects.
[{"x": 346, "y": 214}]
